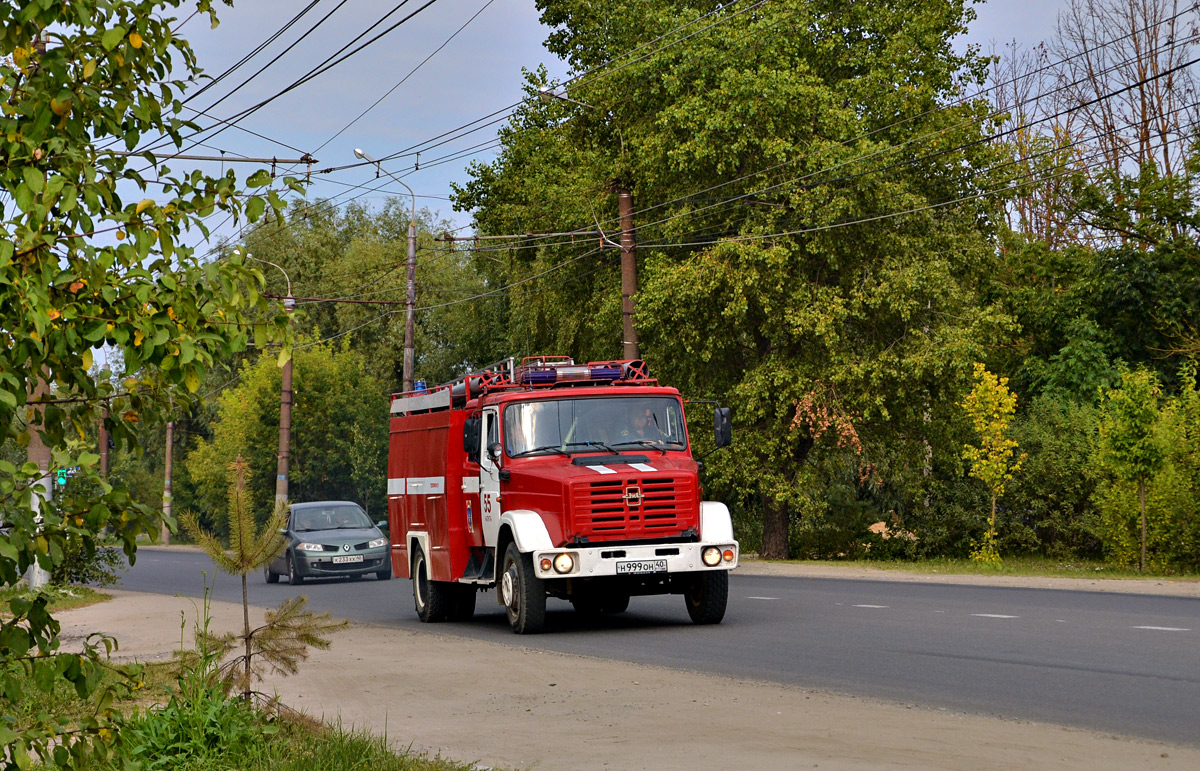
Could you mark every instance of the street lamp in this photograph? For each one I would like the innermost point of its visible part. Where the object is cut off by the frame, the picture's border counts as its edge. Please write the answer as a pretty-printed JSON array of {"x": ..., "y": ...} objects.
[
  {"x": 410, "y": 301},
  {"x": 629, "y": 280}
]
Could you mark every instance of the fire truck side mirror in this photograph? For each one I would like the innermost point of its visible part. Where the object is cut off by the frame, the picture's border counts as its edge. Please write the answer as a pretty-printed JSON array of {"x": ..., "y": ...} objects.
[
  {"x": 723, "y": 426},
  {"x": 471, "y": 431}
]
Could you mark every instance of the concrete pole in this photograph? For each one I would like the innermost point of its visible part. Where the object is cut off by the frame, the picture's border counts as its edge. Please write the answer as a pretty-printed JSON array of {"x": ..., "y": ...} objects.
[
  {"x": 43, "y": 489},
  {"x": 165, "y": 535},
  {"x": 629, "y": 280},
  {"x": 410, "y": 301},
  {"x": 103, "y": 437},
  {"x": 285, "y": 416}
]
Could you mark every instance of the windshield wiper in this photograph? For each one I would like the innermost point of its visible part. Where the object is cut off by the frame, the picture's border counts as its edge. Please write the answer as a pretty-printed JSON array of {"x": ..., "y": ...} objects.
[
  {"x": 544, "y": 448},
  {"x": 601, "y": 445},
  {"x": 660, "y": 445}
]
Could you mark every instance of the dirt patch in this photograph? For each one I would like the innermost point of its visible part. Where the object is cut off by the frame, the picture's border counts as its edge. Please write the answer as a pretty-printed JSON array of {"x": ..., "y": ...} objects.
[{"x": 501, "y": 705}]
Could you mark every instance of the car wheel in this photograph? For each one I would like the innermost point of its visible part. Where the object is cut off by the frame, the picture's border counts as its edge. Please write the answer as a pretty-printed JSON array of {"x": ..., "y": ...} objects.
[
  {"x": 706, "y": 597},
  {"x": 294, "y": 577},
  {"x": 271, "y": 576},
  {"x": 523, "y": 593},
  {"x": 432, "y": 599}
]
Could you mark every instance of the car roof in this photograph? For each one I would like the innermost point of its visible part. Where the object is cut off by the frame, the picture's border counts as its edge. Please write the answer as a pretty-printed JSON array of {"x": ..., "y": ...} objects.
[{"x": 314, "y": 504}]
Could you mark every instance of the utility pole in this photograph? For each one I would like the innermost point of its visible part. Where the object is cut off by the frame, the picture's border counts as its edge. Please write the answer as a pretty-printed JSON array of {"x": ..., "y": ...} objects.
[
  {"x": 410, "y": 301},
  {"x": 629, "y": 279},
  {"x": 285, "y": 413},
  {"x": 43, "y": 488},
  {"x": 165, "y": 535},
  {"x": 285, "y": 400}
]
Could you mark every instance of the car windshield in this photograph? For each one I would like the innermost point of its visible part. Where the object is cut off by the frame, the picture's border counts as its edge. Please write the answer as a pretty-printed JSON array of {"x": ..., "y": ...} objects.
[
  {"x": 330, "y": 517},
  {"x": 596, "y": 424}
]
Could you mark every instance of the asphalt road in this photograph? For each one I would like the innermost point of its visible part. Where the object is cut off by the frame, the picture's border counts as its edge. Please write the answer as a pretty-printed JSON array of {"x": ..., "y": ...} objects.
[{"x": 1120, "y": 663}]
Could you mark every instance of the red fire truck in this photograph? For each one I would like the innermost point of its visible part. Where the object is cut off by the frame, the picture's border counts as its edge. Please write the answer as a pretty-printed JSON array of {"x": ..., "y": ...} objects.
[{"x": 553, "y": 479}]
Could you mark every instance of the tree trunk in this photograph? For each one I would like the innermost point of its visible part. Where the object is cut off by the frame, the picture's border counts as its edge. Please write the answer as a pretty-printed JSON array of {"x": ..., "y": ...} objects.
[
  {"x": 1142, "y": 500},
  {"x": 246, "y": 637},
  {"x": 775, "y": 529}
]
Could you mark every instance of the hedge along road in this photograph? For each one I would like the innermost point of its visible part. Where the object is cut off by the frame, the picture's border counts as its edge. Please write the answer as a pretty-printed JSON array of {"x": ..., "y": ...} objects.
[{"x": 1110, "y": 661}]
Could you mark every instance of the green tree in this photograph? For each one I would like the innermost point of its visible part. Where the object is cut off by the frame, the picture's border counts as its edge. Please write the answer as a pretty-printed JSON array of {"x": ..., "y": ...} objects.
[
  {"x": 990, "y": 406},
  {"x": 283, "y": 641},
  {"x": 1129, "y": 445},
  {"x": 754, "y": 151},
  {"x": 339, "y": 433},
  {"x": 83, "y": 265}
]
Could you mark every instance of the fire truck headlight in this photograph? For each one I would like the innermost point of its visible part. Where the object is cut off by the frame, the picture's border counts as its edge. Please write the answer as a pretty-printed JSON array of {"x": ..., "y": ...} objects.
[
  {"x": 711, "y": 556},
  {"x": 377, "y": 543},
  {"x": 564, "y": 563},
  {"x": 311, "y": 547}
]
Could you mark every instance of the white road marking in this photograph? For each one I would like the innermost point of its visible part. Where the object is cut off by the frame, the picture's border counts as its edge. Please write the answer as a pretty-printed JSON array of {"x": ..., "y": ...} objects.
[
  {"x": 762, "y": 598},
  {"x": 1164, "y": 628},
  {"x": 871, "y": 606},
  {"x": 992, "y": 615}
]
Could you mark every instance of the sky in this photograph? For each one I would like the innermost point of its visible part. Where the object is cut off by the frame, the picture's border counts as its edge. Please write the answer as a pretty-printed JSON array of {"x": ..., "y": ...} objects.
[{"x": 451, "y": 64}]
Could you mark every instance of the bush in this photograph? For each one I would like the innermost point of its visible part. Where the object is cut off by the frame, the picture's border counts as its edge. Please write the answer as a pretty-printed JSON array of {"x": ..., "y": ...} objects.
[{"x": 87, "y": 564}]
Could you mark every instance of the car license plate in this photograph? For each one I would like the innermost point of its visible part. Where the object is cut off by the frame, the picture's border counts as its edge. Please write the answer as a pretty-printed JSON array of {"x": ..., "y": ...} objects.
[
  {"x": 641, "y": 566},
  {"x": 342, "y": 559}
]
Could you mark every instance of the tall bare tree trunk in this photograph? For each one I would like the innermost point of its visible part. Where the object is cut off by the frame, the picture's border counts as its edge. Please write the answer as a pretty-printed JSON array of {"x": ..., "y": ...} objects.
[
  {"x": 246, "y": 636},
  {"x": 775, "y": 529},
  {"x": 1142, "y": 500}
]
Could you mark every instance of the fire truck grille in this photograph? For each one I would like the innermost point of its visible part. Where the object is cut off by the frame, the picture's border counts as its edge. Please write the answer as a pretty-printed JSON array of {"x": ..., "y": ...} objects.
[{"x": 634, "y": 508}]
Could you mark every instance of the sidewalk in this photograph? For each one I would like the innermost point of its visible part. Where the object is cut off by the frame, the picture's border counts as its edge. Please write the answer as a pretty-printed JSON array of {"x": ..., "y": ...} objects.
[{"x": 504, "y": 705}]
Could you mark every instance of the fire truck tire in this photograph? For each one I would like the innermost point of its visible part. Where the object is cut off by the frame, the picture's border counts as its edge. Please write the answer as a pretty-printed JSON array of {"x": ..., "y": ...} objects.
[
  {"x": 523, "y": 593},
  {"x": 616, "y": 603},
  {"x": 706, "y": 597},
  {"x": 433, "y": 599},
  {"x": 294, "y": 577},
  {"x": 464, "y": 603},
  {"x": 271, "y": 576}
]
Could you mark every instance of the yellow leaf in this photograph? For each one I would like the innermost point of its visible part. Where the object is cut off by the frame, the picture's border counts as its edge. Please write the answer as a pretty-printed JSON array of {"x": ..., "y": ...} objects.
[
  {"x": 130, "y": 382},
  {"x": 87, "y": 359},
  {"x": 89, "y": 68},
  {"x": 60, "y": 108},
  {"x": 42, "y": 545},
  {"x": 143, "y": 204},
  {"x": 54, "y": 314},
  {"x": 120, "y": 235},
  {"x": 135, "y": 40},
  {"x": 20, "y": 56},
  {"x": 35, "y": 337},
  {"x": 138, "y": 336}
]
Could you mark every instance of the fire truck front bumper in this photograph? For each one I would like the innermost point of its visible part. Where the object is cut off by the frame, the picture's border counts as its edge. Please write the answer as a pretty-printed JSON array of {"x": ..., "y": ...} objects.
[{"x": 642, "y": 559}]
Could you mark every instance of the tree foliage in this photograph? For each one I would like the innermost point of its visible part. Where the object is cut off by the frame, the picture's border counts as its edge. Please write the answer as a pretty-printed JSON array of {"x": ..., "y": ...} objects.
[
  {"x": 990, "y": 406},
  {"x": 92, "y": 255}
]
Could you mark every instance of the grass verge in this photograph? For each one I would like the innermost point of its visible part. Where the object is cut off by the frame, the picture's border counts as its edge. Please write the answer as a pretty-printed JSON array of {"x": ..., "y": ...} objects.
[{"x": 61, "y": 597}]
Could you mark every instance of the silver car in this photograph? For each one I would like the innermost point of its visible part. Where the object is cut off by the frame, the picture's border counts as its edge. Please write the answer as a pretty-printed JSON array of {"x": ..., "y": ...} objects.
[{"x": 328, "y": 539}]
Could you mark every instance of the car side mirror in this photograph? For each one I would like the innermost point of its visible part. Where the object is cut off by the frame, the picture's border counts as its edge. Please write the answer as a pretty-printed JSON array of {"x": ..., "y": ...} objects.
[
  {"x": 471, "y": 430},
  {"x": 382, "y": 524},
  {"x": 495, "y": 450},
  {"x": 283, "y": 531},
  {"x": 723, "y": 426}
]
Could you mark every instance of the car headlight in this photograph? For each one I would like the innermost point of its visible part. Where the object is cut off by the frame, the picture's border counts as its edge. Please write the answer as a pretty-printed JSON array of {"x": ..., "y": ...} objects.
[
  {"x": 377, "y": 543},
  {"x": 310, "y": 547},
  {"x": 563, "y": 563},
  {"x": 711, "y": 556}
]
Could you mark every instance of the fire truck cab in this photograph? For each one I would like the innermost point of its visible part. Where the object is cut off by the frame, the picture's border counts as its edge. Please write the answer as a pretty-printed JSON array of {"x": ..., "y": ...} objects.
[{"x": 553, "y": 479}]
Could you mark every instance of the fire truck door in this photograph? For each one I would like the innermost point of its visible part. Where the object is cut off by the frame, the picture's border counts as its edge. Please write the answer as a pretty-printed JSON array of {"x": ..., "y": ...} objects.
[{"x": 489, "y": 478}]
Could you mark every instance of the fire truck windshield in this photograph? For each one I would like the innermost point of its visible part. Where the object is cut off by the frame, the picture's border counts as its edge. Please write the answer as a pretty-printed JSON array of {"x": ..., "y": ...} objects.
[{"x": 596, "y": 424}]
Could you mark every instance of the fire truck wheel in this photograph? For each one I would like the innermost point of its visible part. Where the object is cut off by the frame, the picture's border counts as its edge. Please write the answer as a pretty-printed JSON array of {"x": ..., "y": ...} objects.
[
  {"x": 523, "y": 593},
  {"x": 617, "y": 603},
  {"x": 706, "y": 597},
  {"x": 271, "y": 576},
  {"x": 294, "y": 577},
  {"x": 433, "y": 599},
  {"x": 464, "y": 603}
]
